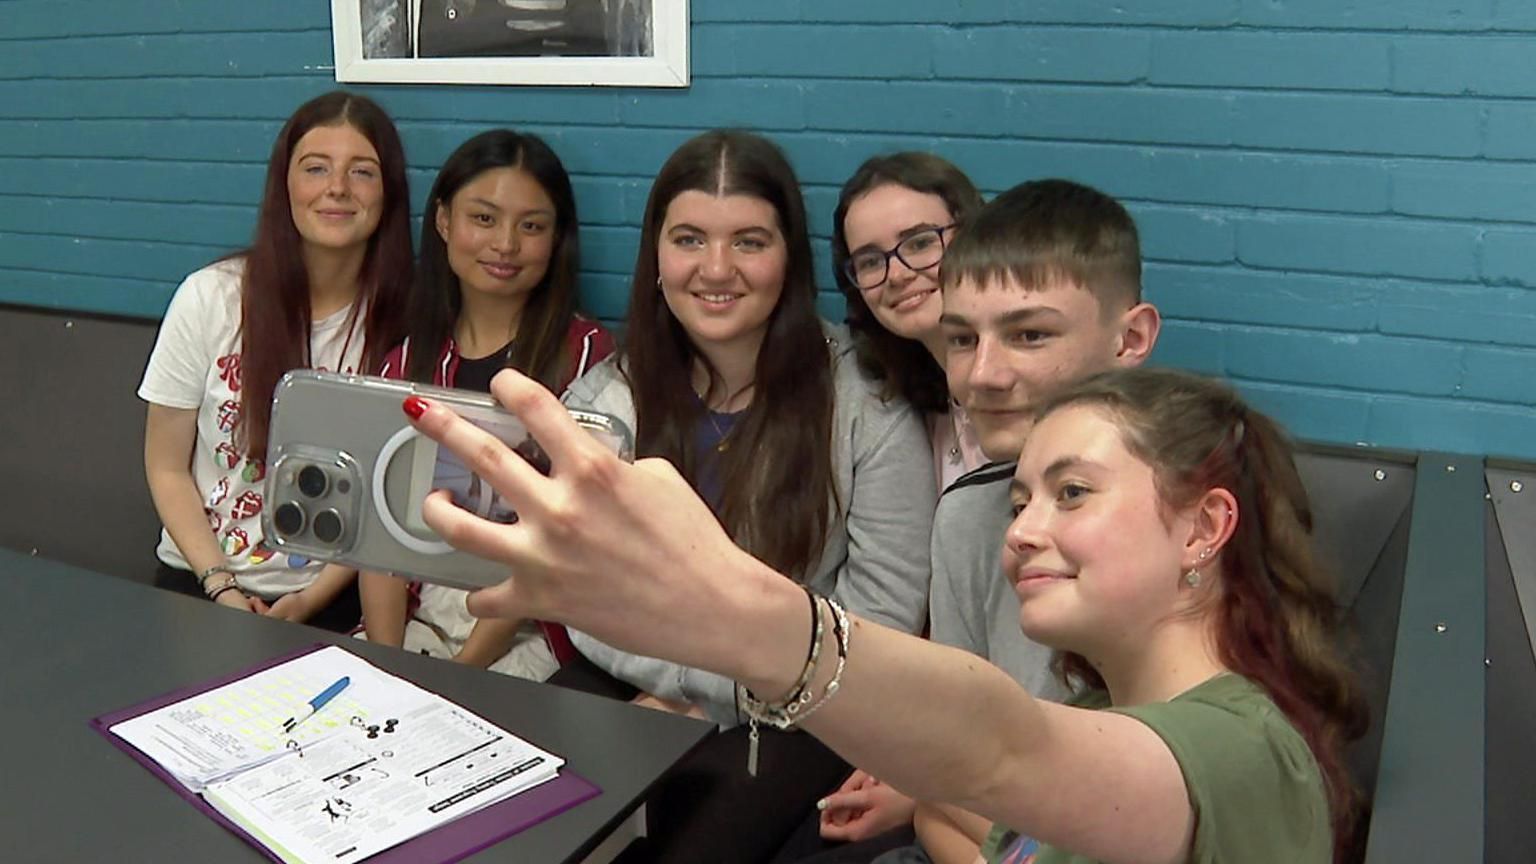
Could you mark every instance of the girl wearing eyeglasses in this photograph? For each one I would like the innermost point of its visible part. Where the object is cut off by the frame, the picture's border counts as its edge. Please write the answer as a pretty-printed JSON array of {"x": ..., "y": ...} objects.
[{"x": 893, "y": 220}]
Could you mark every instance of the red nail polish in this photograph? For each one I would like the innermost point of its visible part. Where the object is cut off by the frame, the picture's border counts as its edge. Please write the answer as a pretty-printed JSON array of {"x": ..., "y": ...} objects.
[{"x": 414, "y": 407}]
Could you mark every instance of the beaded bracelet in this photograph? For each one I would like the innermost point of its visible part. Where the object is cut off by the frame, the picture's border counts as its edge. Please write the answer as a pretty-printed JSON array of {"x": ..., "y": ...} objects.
[
  {"x": 843, "y": 634},
  {"x": 780, "y": 714},
  {"x": 799, "y": 706},
  {"x": 202, "y": 578}
]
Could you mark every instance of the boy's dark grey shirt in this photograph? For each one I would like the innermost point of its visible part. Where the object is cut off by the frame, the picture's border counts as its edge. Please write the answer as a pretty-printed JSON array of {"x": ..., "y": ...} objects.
[{"x": 971, "y": 605}]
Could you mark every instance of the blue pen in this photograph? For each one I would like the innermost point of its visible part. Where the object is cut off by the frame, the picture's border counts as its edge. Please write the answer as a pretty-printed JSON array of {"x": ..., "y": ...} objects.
[{"x": 317, "y": 703}]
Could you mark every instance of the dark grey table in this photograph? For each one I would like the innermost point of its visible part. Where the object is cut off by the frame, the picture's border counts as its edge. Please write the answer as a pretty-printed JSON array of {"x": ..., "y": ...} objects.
[{"x": 76, "y": 644}]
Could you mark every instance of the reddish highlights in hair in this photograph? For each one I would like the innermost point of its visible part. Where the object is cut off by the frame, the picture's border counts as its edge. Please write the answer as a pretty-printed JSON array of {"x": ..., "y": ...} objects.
[
  {"x": 274, "y": 298},
  {"x": 1275, "y": 621}
]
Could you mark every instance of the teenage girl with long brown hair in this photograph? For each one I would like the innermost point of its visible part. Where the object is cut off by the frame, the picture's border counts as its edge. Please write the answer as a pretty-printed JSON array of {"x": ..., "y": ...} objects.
[
  {"x": 729, "y": 375},
  {"x": 496, "y": 288},
  {"x": 895, "y": 219},
  {"x": 322, "y": 285}
]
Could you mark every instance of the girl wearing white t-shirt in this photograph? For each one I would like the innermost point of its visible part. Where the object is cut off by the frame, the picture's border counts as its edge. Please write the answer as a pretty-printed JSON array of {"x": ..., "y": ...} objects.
[{"x": 321, "y": 286}]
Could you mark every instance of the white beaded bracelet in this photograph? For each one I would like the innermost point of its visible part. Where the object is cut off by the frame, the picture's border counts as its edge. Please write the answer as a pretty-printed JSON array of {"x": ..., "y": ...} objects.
[
  {"x": 798, "y": 705},
  {"x": 843, "y": 634}
]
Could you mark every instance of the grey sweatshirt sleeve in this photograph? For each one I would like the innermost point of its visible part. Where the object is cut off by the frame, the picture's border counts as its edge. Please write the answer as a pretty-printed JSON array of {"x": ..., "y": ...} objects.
[
  {"x": 972, "y": 605},
  {"x": 889, "y": 516},
  {"x": 967, "y": 533},
  {"x": 604, "y": 389},
  {"x": 950, "y": 620},
  {"x": 714, "y": 694},
  {"x": 875, "y": 561}
]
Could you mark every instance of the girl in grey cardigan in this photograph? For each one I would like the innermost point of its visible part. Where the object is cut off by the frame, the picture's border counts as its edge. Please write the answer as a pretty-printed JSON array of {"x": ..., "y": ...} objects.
[
  {"x": 875, "y": 556},
  {"x": 729, "y": 374}
]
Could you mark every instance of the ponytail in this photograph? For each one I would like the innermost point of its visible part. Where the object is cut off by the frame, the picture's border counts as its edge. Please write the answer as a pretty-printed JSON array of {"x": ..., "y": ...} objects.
[{"x": 1279, "y": 616}]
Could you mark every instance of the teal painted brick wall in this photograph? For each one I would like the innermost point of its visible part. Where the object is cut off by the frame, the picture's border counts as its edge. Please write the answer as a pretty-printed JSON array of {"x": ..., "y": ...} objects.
[{"x": 1337, "y": 197}]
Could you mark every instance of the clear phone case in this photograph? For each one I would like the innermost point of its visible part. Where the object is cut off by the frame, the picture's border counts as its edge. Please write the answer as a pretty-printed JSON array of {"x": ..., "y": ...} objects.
[{"x": 346, "y": 474}]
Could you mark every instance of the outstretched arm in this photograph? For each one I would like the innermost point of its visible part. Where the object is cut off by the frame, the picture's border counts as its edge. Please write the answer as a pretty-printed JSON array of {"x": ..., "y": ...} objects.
[{"x": 630, "y": 553}]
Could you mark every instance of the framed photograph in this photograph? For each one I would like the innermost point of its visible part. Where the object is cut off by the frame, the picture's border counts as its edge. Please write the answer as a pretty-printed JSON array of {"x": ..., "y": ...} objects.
[{"x": 620, "y": 43}]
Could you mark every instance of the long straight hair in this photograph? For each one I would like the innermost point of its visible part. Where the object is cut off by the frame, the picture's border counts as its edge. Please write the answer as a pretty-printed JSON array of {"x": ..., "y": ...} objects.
[
  {"x": 274, "y": 293},
  {"x": 538, "y": 347},
  {"x": 776, "y": 476},
  {"x": 1276, "y": 618},
  {"x": 903, "y": 365}
]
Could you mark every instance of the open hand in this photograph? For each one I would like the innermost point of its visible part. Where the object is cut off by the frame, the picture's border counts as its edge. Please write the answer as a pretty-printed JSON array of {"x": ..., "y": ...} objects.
[{"x": 626, "y": 552}]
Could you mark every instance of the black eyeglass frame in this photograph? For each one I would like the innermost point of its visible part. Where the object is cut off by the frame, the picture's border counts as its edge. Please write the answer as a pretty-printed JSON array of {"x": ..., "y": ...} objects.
[{"x": 895, "y": 252}]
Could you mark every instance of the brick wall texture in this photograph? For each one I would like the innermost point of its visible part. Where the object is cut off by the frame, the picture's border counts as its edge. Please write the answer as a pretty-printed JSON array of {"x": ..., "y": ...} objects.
[{"x": 1336, "y": 196}]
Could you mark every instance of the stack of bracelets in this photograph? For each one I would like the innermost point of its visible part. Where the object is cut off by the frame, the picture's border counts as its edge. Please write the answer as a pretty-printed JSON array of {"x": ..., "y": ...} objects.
[
  {"x": 800, "y": 703},
  {"x": 214, "y": 588}
]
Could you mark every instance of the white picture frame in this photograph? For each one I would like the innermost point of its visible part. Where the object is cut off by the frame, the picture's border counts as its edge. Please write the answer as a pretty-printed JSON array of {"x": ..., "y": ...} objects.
[{"x": 646, "y": 42}]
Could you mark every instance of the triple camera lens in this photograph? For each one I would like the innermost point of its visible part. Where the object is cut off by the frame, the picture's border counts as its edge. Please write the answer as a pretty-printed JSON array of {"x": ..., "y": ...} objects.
[{"x": 290, "y": 518}]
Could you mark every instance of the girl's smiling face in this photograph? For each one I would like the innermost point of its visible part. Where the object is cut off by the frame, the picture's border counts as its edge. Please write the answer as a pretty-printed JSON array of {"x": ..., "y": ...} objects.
[
  {"x": 500, "y": 232},
  {"x": 722, "y": 261},
  {"x": 907, "y": 302},
  {"x": 335, "y": 188},
  {"x": 1092, "y": 552}
]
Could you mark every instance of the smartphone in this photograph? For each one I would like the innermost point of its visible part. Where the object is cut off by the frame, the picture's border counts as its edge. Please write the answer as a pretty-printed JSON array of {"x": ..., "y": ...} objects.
[{"x": 347, "y": 474}]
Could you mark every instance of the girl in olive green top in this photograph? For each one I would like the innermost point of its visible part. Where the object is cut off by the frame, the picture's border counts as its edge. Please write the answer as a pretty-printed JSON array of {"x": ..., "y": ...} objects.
[
  {"x": 1161, "y": 542},
  {"x": 1252, "y": 782}
]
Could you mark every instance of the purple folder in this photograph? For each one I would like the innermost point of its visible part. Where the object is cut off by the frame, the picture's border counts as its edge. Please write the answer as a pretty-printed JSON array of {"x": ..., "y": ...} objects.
[{"x": 454, "y": 841}]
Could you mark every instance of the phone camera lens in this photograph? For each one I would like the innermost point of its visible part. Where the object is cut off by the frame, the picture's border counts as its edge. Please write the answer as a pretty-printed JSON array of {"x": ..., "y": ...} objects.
[
  {"x": 343, "y": 486},
  {"x": 289, "y": 518},
  {"x": 328, "y": 526},
  {"x": 312, "y": 481}
]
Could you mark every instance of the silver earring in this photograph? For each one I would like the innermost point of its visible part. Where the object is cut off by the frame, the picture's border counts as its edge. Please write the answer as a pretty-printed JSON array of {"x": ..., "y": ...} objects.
[
  {"x": 1192, "y": 577},
  {"x": 658, "y": 282}
]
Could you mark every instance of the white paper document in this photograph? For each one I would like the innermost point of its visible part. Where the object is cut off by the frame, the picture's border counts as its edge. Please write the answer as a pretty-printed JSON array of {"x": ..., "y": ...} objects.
[{"x": 382, "y": 762}]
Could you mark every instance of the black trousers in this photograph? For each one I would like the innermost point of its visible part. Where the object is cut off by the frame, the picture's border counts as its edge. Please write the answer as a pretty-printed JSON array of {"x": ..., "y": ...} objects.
[
  {"x": 707, "y": 809},
  {"x": 341, "y": 615}
]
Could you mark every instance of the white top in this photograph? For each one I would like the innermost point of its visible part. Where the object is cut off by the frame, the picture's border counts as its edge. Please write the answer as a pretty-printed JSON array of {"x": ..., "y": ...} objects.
[{"x": 196, "y": 364}]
